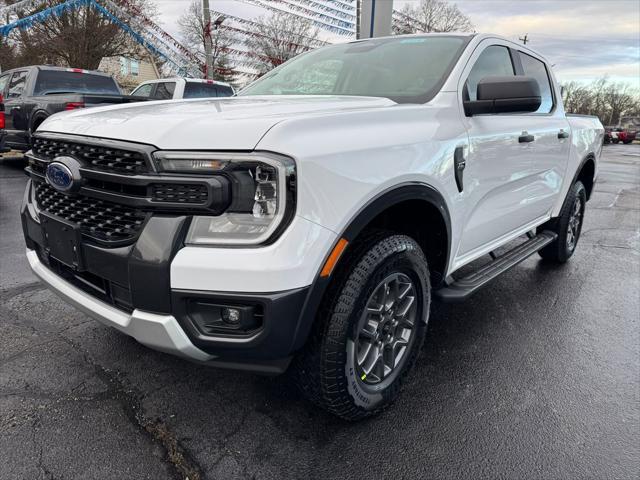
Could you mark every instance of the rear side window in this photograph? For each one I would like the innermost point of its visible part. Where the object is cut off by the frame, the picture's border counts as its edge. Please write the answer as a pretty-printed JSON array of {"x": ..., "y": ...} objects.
[
  {"x": 201, "y": 90},
  {"x": 4, "y": 79},
  {"x": 60, "y": 81},
  {"x": 143, "y": 90},
  {"x": 164, "y": 90},
  {"x": 493, "y": 61},
  {"x": 536, "y": 69},
  {"x": 17, "y": 84}
]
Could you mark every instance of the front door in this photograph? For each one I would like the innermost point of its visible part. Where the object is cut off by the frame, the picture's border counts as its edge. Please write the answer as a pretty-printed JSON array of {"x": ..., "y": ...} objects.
[
  {"x": 502, "y": 188},
  {"x": 497, "y": 166}
]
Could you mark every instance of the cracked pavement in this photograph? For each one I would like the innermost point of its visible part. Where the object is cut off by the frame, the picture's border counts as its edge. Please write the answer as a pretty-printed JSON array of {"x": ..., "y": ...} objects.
[{"x": 537, "y": 376}]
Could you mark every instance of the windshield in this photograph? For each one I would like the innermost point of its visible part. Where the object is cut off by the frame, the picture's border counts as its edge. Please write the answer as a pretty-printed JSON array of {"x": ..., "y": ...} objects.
[
  {"x": 404, "y": 69},
  {"x": 60, "y": 81}
]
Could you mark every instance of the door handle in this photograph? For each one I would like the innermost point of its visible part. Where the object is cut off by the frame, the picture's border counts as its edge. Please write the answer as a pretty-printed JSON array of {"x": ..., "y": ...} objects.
[
  {"x": 526, "y": 138},
  {"x": 562, "y": 134}
]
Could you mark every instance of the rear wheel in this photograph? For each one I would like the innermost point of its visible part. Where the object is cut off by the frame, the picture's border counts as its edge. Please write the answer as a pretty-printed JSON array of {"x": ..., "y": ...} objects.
[
  {"x": 568, "y": 226},
  {"x": 370, "y": 329}
]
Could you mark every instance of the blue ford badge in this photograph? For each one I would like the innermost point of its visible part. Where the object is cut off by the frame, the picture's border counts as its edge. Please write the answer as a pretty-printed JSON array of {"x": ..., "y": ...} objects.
[{"x": 59, "y": 176}]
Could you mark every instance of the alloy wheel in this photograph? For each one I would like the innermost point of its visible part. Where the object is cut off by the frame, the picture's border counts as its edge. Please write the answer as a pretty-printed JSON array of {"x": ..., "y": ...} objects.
[
  {"x": 386, "y": 329},
  {"x": 575, "y": 224}
]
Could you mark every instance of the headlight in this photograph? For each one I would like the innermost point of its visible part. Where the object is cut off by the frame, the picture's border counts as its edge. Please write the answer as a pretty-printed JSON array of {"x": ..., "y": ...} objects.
[{"x": 262, "y": 190}]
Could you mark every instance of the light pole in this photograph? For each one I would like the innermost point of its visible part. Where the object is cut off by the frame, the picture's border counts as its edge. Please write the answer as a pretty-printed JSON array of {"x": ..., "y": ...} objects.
[
  {"x": 208, "y": 58},
  {"x": 208, "y": 41}
]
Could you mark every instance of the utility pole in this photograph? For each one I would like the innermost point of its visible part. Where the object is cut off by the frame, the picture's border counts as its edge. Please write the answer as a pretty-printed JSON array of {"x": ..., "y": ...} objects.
[
  {"x": 358, "y": 13},
  {"x": 524, "y": 39},
  {"x": 208, "y": 47}
]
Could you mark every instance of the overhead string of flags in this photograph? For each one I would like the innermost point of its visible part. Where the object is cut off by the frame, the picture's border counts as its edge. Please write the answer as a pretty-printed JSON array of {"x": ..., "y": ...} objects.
[{"x": 334, "y": 16}]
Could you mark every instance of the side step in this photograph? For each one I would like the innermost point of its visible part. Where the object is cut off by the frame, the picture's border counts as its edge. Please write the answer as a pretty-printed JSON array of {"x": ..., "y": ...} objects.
[{"x": 466, "y": 286}]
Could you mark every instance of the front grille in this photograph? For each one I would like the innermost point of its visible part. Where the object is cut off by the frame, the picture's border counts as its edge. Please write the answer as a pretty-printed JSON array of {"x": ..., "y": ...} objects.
[
  {"x": 102, "y": 158},
  {"x": 100, "y": 220},
  {"x": 179, "y": 193}
]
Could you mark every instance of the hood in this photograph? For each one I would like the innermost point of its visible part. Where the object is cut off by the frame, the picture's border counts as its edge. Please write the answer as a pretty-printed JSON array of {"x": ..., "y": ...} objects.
[{"x": 236, "y": 123}]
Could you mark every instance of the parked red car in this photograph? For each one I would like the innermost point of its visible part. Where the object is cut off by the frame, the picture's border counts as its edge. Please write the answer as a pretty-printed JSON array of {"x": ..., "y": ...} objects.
[{"x": 619, "y": 134}]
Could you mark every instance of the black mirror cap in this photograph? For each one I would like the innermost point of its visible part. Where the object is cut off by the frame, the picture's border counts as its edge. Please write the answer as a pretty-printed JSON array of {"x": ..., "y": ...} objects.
[{"x": 505, "y": 95}]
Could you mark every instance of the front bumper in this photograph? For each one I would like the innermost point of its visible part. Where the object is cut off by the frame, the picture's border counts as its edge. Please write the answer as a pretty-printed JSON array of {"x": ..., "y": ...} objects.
[
  {"x": 160, "y": 332},
  {"x": 154, "y": 289}
]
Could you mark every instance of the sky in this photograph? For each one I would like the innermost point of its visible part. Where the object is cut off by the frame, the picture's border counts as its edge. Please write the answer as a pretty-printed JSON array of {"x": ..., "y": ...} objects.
[{"x": 583, "y": 39}]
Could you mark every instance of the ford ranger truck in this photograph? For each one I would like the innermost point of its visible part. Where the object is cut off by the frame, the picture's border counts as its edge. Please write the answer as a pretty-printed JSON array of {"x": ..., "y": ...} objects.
[{"x": 308, "y": 223}]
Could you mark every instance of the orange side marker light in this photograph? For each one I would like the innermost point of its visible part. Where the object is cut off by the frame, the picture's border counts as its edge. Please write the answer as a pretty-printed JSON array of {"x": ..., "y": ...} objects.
[{"x": 334, "y": 257}]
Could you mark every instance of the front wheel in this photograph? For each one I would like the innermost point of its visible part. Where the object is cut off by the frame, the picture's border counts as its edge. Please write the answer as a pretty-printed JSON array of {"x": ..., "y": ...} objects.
[
  {"x": 568, "y": 226},
  {"x": 370, "y": 329}
]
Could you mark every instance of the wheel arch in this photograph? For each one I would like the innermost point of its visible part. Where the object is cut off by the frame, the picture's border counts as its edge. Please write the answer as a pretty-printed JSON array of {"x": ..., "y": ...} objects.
[
  {"x": 586, "y": 173},
  {"x": 37, "y": 118},
  {"x": 389, "y": 210}
]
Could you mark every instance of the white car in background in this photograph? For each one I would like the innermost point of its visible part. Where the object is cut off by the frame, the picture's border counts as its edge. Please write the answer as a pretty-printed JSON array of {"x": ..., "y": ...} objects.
[{"x": 176, "y": 88}]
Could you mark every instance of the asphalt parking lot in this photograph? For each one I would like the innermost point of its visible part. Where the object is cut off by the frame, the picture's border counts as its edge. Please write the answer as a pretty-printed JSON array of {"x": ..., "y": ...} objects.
[{"x": 538, "y": 376}]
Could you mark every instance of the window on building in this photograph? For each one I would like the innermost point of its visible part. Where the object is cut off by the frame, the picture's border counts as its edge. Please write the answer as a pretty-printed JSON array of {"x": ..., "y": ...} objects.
[
  {"x": 135, "y": 67},
  {"x": 124, "y": 66}
]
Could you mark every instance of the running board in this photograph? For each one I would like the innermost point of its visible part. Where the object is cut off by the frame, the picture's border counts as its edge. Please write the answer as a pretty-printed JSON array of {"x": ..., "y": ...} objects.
[{"x": 460, "y": 289}]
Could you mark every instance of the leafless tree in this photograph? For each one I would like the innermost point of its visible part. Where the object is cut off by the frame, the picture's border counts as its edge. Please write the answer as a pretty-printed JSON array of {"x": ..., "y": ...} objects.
[
  {"x": 192, "y": 31},
  {"x": 278, "y": 38},
  {"x": 607, "y": 100},
  {"x": 79, "y": 38},
  {"x": 431, "y": 16}
]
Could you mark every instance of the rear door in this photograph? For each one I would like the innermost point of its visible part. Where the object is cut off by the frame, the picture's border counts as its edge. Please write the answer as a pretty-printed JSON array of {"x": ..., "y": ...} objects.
[
  {"x": 16, "y": 123},
  {"x": 552, "y": 138}
]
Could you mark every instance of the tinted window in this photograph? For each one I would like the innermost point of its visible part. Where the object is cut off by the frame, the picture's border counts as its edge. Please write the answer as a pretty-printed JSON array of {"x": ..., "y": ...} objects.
[
  {"x": 60, "y": 81},
  {"x": 164, "y": 90},
  {"x": 200, "y": 90},
  {"x": 16, "y": 85},
  {"x": 224, "y": 91},
  {"x": 143, "y": 90},
  {"x": 4, "y": 79},
  {"x": 404, "y": 69},
  {"x": 493, "y": 61},
  {"x": 535, "y": 68}
]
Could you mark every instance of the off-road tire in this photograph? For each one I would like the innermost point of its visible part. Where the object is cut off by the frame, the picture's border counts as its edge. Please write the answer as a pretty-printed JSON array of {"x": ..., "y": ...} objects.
[
  {"x": 324, "y": 369},
  {"x": 558, "y": 251}
]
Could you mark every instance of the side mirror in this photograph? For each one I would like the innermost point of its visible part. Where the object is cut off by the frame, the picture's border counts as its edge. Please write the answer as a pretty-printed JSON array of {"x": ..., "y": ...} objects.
[{"x": 505, "y": 95}]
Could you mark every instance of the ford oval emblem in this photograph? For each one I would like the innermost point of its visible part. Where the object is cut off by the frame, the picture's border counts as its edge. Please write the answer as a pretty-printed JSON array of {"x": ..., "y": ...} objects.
[{"x": 59, "y": 176}]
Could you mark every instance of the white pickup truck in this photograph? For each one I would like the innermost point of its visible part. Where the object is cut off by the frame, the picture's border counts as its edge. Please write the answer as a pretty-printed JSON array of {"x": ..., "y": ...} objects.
[{"x": 310, "y": 221}]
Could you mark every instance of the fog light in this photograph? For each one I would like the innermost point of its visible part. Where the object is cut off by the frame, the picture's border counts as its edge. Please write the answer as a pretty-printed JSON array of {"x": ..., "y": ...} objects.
[{"x": 231, "y": 316}]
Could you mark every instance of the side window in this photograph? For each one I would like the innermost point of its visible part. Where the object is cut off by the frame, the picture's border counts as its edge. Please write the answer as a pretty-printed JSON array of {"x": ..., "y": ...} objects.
[
  {"x": 536, "y": 69},
  {"x": 16, "y": 84},
  {"x": 4, "y": 79},
  {"x": 164, "y": 91},
  {"x": 494, "y": 61},
  {"x": 143, "y": 90}
]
